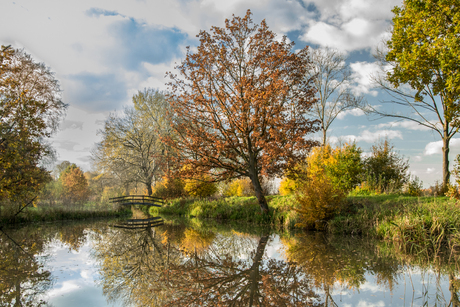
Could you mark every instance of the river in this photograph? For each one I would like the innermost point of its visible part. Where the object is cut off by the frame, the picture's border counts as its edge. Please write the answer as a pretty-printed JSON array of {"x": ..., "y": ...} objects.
[{"x": 205, "y": 263}]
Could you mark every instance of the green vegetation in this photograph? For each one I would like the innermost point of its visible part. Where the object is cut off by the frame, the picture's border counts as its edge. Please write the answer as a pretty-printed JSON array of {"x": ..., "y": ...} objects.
[
  {"x": 48, "y": 214},
  {"x": 243, "y": 209},
  {"x": 421, "y": 223}
]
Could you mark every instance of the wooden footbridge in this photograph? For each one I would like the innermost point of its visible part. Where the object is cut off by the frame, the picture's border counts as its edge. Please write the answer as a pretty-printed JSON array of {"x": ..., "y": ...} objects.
[
  {"x": 143, "y": 200},
  {"x": 137, "y": 200}
]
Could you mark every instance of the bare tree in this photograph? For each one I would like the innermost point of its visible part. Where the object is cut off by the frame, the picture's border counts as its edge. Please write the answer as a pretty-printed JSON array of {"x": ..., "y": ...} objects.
[{"x": 332, "y": 79}]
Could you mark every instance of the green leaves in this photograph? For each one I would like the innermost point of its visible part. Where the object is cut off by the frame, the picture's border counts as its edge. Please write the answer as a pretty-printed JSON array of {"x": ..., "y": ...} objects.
[{"x": 424, "y": 47}]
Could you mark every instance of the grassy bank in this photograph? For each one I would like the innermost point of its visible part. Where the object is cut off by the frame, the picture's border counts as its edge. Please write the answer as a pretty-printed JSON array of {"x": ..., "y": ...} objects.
[
  {"x": 242, "y": 209},
  {"x": 48, "y": 214},
  {"x": 425, "y": 222},
  {"x": 419, "y": 223}
]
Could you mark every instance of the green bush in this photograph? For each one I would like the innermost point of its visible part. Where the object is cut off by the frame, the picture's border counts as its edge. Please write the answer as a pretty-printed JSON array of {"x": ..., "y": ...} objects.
[{"x": 384, "y": 170}]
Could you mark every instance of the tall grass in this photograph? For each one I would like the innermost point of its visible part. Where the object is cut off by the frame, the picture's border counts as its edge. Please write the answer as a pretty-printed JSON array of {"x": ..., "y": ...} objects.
[{"x": 422, "y": 224}]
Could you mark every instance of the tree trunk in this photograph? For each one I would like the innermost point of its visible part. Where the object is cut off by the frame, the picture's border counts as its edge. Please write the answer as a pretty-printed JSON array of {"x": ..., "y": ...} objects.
[
  {"x": 324, "y": 137},
  {"x": 445, "y": 160},
  {"x": 149, "y": 188},
  {"x": 259, "y": 193}
]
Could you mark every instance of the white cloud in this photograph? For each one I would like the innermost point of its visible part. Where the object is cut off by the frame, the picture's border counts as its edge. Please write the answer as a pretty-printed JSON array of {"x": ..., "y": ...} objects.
[
  {"x": 350, "y": 24},
  {"x": 430, "y": 170},
  {"x": 67, "y": 287},
  {"x": 417, "y": 158},
  {"x": 433, "y": 148},
  {"x": 366, "y": 136},
  {"x": 372, "y": 137},
  {"x": 369, "y": 304},
  {"x": 353, "y": 112},
  {"x": 362, "y": 73},
  {"x": 74, "y": 144}
]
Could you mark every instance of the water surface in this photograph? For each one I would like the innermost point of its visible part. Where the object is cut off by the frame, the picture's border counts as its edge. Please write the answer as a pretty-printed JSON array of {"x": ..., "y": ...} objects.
[{"x": 196, "y": 263}]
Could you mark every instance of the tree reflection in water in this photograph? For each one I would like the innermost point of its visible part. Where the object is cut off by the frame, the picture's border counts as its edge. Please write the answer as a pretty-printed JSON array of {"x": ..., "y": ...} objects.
[
  {"x": 344, "y": 261},
  {"x": 23, "y": 278},
  {"x": 189, "y": 267}
]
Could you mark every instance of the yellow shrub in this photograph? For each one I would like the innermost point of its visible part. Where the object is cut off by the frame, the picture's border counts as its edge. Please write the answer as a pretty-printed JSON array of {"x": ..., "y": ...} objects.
[
  {"x": 240, "y": 187},
  {"x": 200, "y": 188},
  {"x": 320, "y": 193},
  {"x": 287, "y": 186},
  {"x": 318, "y": 200}
]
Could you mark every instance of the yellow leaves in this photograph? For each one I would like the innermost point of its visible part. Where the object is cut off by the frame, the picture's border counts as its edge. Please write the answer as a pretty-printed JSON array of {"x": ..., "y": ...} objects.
[{"x": 287, "y": 186}]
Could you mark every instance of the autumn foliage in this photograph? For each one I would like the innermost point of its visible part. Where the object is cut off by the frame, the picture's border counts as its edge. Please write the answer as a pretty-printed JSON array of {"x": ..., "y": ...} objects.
[
  {"x": 75, "y": 184},
  {"x": 240, "y": 104},
  {"x": 30, "y": 109}
]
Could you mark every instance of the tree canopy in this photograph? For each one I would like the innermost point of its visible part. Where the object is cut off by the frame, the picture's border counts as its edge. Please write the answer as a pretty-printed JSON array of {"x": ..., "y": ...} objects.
[
  {"x": 240, "y": 104},
  {"x": 131, "y": 147},
  {"x": 30, "y": 110}
]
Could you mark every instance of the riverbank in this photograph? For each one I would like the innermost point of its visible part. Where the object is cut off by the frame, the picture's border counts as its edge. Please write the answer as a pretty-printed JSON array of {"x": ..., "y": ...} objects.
[
  {"x": 50, "y": 214},
  {"x": 426, "y": 222}
]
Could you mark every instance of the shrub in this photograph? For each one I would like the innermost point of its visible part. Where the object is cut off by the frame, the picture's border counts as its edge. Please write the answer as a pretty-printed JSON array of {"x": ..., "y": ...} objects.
[
  {"x": 200, "y": 187},
  {"x": 169, "y": 188},
  {"x": 342, "y": 165},
  {"x": 345, "y": 167},
  {"x": 385, "y": 171},
  {"x": 319, "y": 194},
  {"x": 318, "y": 200},
  {"x": 239, "y": 187},
  {"x": 413, "y": 187},
  {"x": 453, "y": 192}
]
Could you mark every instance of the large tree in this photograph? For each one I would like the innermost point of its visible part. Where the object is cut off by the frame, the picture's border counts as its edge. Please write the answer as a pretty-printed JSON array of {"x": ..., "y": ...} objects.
[
  {"x": 422, "y": 65},
  {"x": 332, "y": 78},
  {"x": 30, "y": 110},
  {"x": 240, "y": 104}
]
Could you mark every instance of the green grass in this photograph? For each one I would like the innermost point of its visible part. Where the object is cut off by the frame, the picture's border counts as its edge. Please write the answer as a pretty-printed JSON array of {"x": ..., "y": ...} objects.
[{"x": 244, "y": 209}]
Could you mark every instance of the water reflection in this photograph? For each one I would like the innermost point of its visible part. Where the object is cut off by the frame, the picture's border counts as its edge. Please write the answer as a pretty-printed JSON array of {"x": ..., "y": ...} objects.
[
  {"x": 192, "y": 264},
  {"x": 23, "y": 277}
]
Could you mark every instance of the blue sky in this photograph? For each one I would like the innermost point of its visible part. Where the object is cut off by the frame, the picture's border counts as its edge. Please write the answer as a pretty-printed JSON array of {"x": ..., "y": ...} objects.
[{"x": 103, "y": 52}]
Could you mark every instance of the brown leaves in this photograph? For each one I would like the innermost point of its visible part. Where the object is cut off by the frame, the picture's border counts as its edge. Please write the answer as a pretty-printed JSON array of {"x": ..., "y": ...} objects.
[{"x": 241, "y": 101}]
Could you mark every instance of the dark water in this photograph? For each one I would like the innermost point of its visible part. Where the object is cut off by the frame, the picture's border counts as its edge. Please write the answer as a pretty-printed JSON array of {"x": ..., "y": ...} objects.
[{"x": 194, "y": 263}]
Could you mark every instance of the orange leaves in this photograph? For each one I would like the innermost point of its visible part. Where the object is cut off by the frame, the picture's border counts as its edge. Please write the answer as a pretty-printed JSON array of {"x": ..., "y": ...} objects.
[
  {"x": 75, "y": 184},
  {"x": 241, "y": 102}
]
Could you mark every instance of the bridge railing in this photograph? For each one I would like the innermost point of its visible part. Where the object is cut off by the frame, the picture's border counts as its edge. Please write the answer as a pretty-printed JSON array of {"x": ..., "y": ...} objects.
[{"x": 138, "y": 200}]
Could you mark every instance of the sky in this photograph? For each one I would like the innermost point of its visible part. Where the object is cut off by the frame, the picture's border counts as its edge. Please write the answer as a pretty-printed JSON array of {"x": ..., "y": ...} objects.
[{"x": 103, "y": 52}]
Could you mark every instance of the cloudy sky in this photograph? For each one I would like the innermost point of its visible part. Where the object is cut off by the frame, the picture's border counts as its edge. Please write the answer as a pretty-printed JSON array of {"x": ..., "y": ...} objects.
[{"x": 105, "y": 51}]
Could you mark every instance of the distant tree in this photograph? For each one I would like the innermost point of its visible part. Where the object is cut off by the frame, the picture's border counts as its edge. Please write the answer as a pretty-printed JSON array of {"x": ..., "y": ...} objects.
[
  {"x": 30, "y": 110},
  {"x": 423, "y": 54},
  {"x": 240, "y": 105},
  {"x": 332, "y": 78},
  {"x": 75, "y": 184},
  {"x": 131, "y": 146},
  {"x": 58, "y": 169}
]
